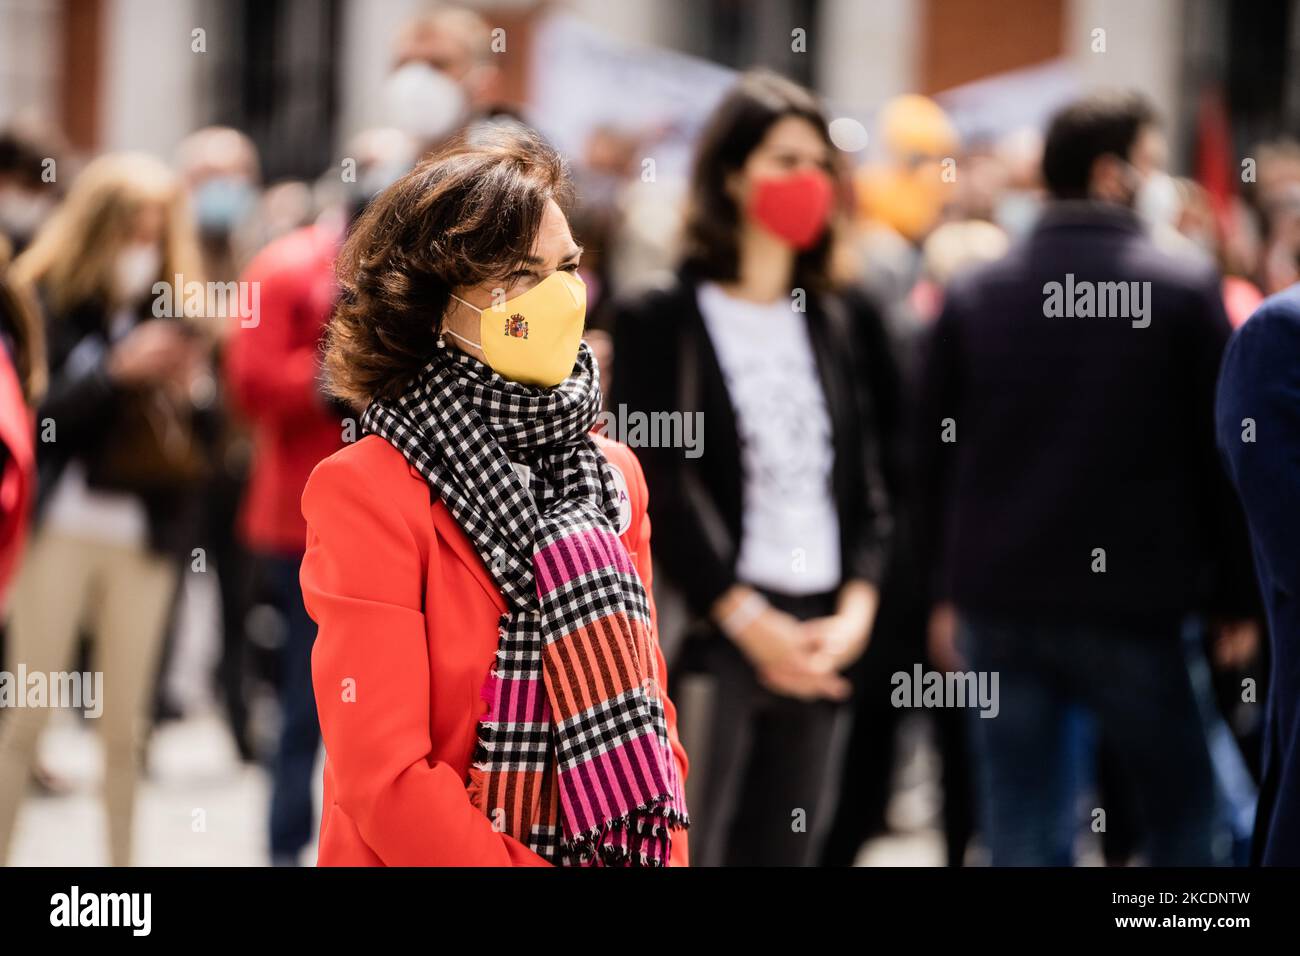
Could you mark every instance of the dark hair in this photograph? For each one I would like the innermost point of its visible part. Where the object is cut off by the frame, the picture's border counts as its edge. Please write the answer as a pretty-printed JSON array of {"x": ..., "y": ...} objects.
[
  {"x": 1098, "y": 125},
  {"x": 467, "y": 214},
  {"x": 758, "y": 101},
  {"x": 24, "y": 150}
]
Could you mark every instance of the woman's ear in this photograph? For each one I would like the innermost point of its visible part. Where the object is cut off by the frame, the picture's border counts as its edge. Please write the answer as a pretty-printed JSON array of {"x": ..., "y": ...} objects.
[{"x": 458, "y": 324}]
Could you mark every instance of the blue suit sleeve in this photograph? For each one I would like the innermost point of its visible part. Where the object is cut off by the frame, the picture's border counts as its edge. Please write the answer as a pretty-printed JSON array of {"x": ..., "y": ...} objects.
[{"x": 1258, "y": 425}]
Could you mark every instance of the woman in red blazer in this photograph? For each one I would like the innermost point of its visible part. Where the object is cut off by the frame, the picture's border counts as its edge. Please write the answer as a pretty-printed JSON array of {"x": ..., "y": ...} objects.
[{"x": 487, "y": 668}]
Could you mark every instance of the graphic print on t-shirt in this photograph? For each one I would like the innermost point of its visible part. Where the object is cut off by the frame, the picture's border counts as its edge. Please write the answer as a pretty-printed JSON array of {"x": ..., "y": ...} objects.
[{"x": 790, "y": 525}]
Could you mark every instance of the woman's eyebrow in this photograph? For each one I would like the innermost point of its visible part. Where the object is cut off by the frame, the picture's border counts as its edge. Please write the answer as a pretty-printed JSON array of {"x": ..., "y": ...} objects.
[{"x": 572, "y": 254}]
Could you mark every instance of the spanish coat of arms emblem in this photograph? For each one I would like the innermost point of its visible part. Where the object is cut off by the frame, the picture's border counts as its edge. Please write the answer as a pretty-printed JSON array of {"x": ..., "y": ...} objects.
[{"x": 517, "y": 326}]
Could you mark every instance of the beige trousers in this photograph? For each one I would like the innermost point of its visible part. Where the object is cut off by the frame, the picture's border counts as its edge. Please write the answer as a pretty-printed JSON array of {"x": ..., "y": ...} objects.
[{"x": 120, "y": 596}]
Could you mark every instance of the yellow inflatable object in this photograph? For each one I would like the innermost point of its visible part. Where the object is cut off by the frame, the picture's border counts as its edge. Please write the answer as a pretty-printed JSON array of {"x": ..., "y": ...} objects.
[{"x": 909, "y": 185}]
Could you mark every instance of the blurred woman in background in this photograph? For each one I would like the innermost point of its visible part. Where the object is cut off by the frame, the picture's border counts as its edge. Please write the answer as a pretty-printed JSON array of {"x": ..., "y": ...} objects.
[
  {"x": 120, "y": 446},
  {"x": 775, "y": 533}
]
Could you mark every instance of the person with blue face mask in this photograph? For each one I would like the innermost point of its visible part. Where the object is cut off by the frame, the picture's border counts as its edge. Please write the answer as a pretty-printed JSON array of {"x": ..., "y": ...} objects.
[
  {"x": 222, "y": 202},
  {"x": 219, "y": 166}
]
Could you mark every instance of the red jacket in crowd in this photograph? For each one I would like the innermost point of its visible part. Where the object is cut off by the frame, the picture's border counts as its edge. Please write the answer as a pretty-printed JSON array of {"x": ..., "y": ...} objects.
[
  {"x": 273, "y": 371},
  {"x": 18, "y": 473}
]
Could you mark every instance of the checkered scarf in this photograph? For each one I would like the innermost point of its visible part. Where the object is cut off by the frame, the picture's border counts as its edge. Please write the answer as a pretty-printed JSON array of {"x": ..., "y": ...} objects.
[{"x": 573, "y": 756}]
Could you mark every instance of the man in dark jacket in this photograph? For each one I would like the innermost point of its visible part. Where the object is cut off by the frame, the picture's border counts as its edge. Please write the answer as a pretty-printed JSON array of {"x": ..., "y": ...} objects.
[
  {"x": 1259, "y": 431},
  {"x": 1076, "y": 514}
]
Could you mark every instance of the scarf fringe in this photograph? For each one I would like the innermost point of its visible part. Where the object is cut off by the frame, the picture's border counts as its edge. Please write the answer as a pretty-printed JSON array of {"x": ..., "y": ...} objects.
[
  {"x": 483, "y": 747},
  {"x": 653, "y": 819},
  {"x": 466, "y": 462},
  {"x": 650, "y": 820},
  {"x": 477, "y": 786}
]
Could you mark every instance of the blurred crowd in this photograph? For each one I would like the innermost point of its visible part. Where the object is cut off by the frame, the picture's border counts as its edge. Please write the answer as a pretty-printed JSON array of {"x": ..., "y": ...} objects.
[{"x": 151, "y": 442}]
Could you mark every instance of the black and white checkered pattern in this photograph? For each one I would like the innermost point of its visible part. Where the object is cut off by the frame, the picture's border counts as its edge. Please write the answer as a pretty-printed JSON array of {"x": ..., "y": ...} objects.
[
  {"x": 605, "y": 726},
  {"x": 460, "y": 424}
]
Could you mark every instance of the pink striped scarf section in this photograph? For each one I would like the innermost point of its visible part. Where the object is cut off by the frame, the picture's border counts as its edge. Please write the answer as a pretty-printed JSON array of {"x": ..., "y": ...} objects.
[{"x": 578, "y": 754}]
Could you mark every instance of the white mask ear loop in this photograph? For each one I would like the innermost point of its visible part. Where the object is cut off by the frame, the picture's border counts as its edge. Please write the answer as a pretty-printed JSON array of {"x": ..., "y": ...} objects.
[
  {"x": 468, "y": 305},
  {"x": 444, "y": 331},
  {"x": 473, "y": 345}
]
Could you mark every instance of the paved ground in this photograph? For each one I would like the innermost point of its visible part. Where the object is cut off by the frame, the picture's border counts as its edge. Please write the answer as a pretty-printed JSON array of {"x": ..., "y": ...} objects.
[{"x": 200, "y": 807}]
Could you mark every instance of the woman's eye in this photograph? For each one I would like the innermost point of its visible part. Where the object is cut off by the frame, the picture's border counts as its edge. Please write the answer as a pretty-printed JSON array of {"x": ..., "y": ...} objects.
[{"x": 569, "y": 267}]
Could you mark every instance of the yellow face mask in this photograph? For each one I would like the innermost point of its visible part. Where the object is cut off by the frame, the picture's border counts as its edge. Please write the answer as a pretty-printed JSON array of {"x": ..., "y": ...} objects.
[{"x": 534, "y": 337}]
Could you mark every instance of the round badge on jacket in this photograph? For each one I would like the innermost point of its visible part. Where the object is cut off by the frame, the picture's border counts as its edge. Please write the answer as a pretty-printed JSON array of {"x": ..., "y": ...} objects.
[{"x": 624, "y": 499}]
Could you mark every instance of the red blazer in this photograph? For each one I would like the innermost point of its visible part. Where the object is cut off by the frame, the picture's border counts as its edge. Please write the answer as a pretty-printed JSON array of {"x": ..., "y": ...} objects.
[
  {"x": 18, "y": 478},
  {"x": 407, "y": 618},
  {"x": 272, "y": 369}
]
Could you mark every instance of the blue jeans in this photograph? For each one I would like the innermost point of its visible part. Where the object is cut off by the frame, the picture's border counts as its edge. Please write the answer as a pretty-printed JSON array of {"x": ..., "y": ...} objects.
[
  {"x": 1132, "y": 687},
  {"x": 292, "y": 810}
]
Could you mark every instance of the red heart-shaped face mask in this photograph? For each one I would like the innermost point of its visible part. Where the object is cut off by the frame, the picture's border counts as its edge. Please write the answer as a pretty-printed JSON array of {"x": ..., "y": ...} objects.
[{"x": 795, "y": 207}]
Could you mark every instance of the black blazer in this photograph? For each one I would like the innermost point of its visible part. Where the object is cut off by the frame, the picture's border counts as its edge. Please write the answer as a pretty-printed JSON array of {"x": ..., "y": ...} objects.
[
  {"x": 82, "y": 402},
  {"x": 1075, "y": 433},
  {"x": 665, "y": 361}
]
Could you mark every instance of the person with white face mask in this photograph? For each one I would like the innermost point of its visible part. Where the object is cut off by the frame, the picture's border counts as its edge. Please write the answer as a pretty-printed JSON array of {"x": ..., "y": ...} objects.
[
  {"x": 135, "y": 269},
  {"x": 443, "y": 77},
  {"x": 28, "y": 191},
  {"x": 21, "y": 212},
  {"x": 122, "y": 450},
  {"x": 1086, "y": 595},
  {"x": 424, "y": 101}
]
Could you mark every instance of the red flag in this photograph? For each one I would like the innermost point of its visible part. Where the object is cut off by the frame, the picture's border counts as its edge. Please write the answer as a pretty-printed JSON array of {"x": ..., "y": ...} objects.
[{"x": 1216, "y": 167}]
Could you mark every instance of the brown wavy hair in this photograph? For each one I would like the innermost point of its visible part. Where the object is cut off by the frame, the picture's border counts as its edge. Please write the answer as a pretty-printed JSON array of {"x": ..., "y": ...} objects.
[{"x": 469, "y": 213}]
